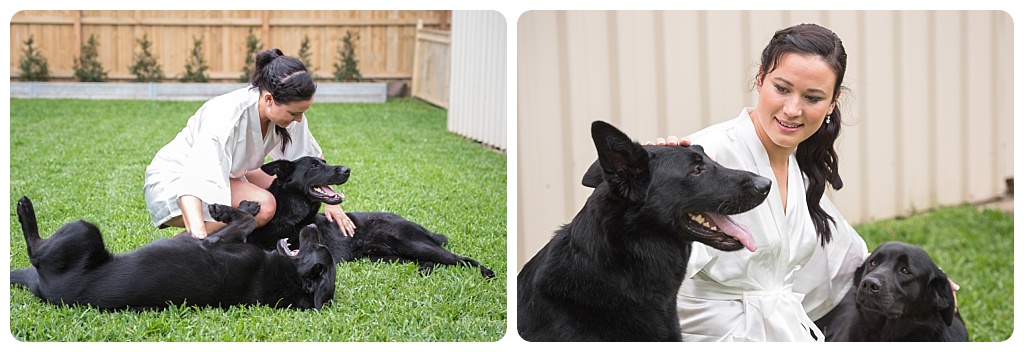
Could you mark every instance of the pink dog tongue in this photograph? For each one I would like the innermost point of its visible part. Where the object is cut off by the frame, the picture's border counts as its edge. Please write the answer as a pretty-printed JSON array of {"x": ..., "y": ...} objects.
[{"x": 734, "y": 229}]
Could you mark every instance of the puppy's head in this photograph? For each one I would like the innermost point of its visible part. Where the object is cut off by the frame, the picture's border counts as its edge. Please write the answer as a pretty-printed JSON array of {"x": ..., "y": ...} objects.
[
  {"x": 900, "y": 281},
  {"x": 678, "y": 188},
  {"x": 315, "y": 266},
  {"x": 309, "y": 176}
]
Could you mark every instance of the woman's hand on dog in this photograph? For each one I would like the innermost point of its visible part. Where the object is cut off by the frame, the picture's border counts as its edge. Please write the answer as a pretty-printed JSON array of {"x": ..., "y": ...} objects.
[
  {"x": 335, "y": 214},
  {"x": 671, "y": 140}
]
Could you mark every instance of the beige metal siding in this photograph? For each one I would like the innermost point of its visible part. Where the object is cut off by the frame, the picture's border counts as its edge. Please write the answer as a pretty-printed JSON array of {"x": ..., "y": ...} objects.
[
  {"x": 477, "y": 108},
  {"x": 928, "y": 111}
]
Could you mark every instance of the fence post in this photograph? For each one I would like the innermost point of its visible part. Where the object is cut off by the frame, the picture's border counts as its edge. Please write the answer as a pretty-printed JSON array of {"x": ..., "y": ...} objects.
[
  {"x": 78, "y": 33},
  {"x": 416, "y": 58}
]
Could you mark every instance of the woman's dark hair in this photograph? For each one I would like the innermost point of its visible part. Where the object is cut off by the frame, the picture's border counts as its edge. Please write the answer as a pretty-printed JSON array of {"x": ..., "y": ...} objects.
[
  {"x": 816, "y": 155},
  {"x": 286, "y": 79}
]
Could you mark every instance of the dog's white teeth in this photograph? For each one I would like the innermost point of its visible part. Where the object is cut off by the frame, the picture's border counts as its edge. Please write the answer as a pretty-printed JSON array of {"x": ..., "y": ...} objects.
[{"x": 703, "y": 222}]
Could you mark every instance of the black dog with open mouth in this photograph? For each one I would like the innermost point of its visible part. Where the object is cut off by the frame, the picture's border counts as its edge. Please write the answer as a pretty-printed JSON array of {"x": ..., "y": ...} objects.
[
  {"x": 73, "y": 267},
  {"x": 299, "y": 189},
  {"x": 613, "y": 272},
  {"x": 380, "y": 236}
]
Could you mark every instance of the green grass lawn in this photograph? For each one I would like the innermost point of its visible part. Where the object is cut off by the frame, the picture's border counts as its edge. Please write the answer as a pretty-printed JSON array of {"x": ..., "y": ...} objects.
[
  {"x": 86, "y": 159},
  {"x": 975, "y": 248}
]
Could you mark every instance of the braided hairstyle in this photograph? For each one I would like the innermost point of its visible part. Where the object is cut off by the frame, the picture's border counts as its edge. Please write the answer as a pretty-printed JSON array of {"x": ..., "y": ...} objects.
[
  {"x": 816, "y": 155},
  {"x": 286, "y": 79}
]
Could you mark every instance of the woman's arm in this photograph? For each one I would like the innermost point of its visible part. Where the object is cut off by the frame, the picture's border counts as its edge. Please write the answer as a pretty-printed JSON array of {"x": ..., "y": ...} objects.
[{"x": 192, "y": 215}]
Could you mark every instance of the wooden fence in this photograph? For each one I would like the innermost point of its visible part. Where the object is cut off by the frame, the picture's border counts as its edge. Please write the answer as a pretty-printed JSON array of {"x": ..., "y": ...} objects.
[
  {"x": 432, "y": 65},
  {"x": 384, "y": 50}
]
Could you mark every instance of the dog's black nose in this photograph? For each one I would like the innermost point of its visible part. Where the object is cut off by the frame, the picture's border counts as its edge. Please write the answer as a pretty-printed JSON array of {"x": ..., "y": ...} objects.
[
  {"x": 762, "y": 185},
  {"x": 345, "y": 171},
  {"x": 870, "y": 284}
]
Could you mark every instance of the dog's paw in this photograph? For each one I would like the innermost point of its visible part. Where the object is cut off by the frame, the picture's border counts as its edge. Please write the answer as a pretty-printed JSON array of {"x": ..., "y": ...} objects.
[
  {"x": 221, "y": 212},
  {"x": 249, "y": 207},
  {"x": 486, "y": 272}
]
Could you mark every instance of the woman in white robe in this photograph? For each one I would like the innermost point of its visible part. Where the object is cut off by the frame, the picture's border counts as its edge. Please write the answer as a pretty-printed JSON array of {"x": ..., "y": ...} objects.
[
  {"x": 775, "y": 293},
  {"x": 216, "y": 158}
]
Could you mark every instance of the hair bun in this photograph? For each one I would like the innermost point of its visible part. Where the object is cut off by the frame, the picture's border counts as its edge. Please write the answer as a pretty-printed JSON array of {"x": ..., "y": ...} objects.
[{"x": 266, "y": 56}]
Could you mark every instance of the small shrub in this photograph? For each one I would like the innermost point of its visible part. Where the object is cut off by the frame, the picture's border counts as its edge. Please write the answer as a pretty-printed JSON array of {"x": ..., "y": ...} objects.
[
  {"x": 146, "y": 69},
  {"x": 88, "y": 67},
  {"x": 32, "y": 64},
  {"x": 305, "y": 56},
  {"x": 252, "y": 47},
  {"x": 195, "y": 67},
  {"x": 346, "y": 70}
]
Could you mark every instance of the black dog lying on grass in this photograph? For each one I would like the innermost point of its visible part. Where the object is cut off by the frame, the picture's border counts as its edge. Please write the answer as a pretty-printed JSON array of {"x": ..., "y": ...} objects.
[
  {"x": 73, "y": 267},
  {"x": 613, "y": 272},
  {"x": 898, "y": 294},
  {"x": 300, "y": 189}
]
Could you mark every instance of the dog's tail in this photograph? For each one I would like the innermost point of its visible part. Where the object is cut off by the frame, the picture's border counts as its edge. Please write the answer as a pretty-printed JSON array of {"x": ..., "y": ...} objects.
[
  {"x": 26, "y": 277},
  {"x": 27, "y": 217}
]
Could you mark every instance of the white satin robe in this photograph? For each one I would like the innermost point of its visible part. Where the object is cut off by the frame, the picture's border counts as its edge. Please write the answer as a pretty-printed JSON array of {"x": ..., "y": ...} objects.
[
  {"x": 775, "y": 293},
  {"x": 221, "y": 141}
]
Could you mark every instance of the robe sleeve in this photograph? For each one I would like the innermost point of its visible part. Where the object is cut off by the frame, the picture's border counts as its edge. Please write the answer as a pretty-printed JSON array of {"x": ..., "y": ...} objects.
[
  {"x": 302, "y": 144},
  {"x": 828, "y": 275},
  {"x": 207, "y": 162}
]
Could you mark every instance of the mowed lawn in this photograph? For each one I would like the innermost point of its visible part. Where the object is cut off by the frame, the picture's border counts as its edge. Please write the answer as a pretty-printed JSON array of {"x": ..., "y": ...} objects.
[{"x": 86, "y": 159}]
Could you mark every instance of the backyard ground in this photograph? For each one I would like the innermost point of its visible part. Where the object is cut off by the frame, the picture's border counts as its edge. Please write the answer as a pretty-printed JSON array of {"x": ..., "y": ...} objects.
[{"x": 86, "y": 159}]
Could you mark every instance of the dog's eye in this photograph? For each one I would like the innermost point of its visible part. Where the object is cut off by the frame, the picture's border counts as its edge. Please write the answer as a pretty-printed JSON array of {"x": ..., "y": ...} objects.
[
  {"x": 697, "y": 170},
  {"x": 874, "y": 262},
  {"x": 904, "y": 271}
]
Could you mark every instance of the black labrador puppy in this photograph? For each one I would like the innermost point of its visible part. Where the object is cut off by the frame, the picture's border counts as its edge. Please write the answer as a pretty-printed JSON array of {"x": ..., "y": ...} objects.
[
  {"x": 73, "y": 267},
  {"x": 898, "y": 294},
  {"x": 382, "y": 236},
  {"x": 613, "y": 272}
]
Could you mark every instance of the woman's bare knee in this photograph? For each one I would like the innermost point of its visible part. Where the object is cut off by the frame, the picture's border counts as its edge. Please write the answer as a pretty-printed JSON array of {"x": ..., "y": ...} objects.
[
  {"x": 267, "y": 209},
  {"x": 242, "y": 190}
]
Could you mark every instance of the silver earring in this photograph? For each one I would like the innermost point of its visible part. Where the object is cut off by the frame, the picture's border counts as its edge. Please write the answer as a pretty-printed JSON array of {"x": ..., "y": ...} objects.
[{"x": 828, "y": 118}]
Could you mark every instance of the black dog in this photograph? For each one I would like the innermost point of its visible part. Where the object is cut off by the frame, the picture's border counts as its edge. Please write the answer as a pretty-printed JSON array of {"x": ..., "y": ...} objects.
[
  {"x": 387, "y": 237},
  {"x": 612, "y": 274},
  {"x": 898, "y": 294},
  {"x": 74, "y": 267},
  {"x": 381, "y": 236},
  {"x": 299, "y": 189}
]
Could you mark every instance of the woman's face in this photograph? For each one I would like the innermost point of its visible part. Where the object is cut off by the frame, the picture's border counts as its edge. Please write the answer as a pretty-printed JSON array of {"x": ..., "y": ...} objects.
[
  {"x": 284, "y": 114},
  {"x": 794, "y": 99}
]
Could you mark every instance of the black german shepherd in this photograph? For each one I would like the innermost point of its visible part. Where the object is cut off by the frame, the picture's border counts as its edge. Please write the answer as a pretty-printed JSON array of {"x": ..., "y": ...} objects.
[
  {"x": 382, "y": 236},
  {"x": 612, "y": 274},
  {"x": 73, "y": 267}
]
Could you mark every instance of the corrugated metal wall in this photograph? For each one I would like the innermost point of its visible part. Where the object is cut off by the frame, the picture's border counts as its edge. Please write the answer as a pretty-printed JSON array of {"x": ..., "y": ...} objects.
[
  {"x": 929, "y": 111},
  {"x": 477, "y": 108}
]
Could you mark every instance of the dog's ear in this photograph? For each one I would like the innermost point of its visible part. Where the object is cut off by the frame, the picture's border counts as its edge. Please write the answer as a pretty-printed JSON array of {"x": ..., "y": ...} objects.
[
  {"x": 859, "y": 273},
  {"x": 594, "y": 176},
  {"x": 942, "y": 296},
  {"x": 317, "y": 282},
  {"x": 624, "y": 162},
  {"x": 280, "y": 168}
]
